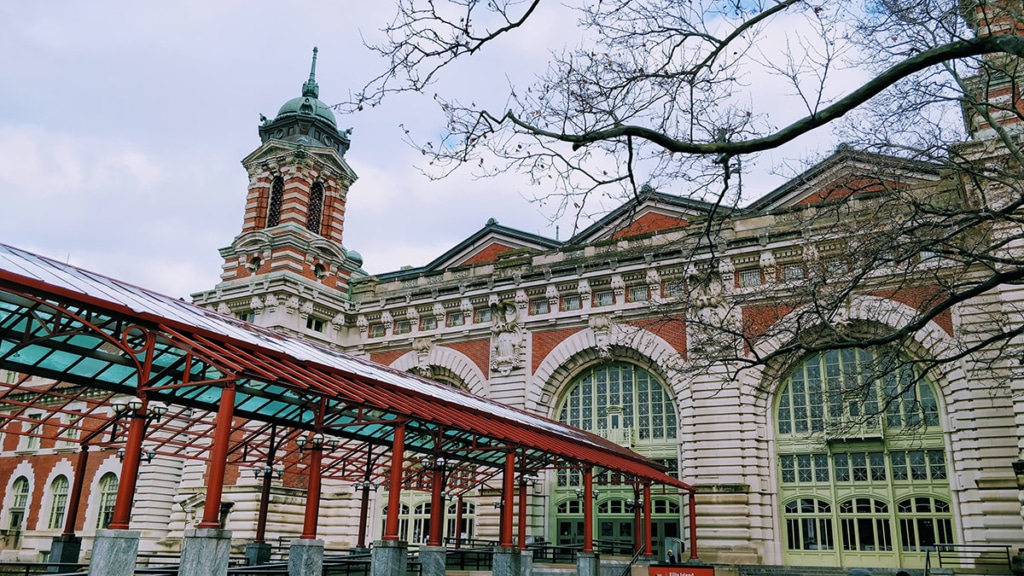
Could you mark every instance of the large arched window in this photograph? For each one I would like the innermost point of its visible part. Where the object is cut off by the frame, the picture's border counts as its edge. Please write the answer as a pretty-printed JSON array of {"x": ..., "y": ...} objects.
[
  {"x": 316, "y": 207},
  {"x": 108, "y": 496},
  {"x": 403, "y": 522},
  {"x": 58, "y": 501},
  {"x": 858, "y": 433},
  {"x": 276, "y": 198},
  {"x": 468, "y": 518},
  {"x": 620, "y": 396}
]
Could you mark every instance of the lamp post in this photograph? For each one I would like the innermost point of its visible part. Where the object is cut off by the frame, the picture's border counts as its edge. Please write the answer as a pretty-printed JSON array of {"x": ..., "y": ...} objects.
[
  {"x": 524, "y": 482},
  {"x": 135, "y": 409}
]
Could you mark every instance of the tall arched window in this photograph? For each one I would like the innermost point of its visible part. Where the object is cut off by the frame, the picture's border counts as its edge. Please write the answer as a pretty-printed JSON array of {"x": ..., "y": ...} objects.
[
  {"x": 316, "y": 207},
  {"x": 629, "y": 406},
  {"x": 58, "y": 501},
  {"x": 403, "y": 522},
  {"x": 276, "y": 198},
  {"x": 465, "y": 530},
  {"x": 857, "y": 432},
  {"x": 108, "y": 496},
  {"x": 19, "y": 504}
]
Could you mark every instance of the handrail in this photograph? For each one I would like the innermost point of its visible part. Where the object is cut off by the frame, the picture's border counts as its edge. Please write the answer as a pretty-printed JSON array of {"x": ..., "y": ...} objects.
[
  {"x": 957, "y": 555},
  {"x": 633, "y": 560}
]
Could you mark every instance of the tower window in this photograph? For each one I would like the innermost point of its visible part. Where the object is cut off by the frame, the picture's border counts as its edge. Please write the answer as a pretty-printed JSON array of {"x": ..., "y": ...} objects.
[
  {"x": 316, "y": 207},
  {"x": 276, "y": 198},
  {"x": 315, "y": 324}
]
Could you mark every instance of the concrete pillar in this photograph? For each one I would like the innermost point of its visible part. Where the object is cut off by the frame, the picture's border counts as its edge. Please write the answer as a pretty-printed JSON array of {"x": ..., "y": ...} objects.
[
  {"x": 388, "y": 558},
  {"x": 526, "y": 562},
  {"x": 507, "y": 562},
  {"x": 432, "y": 560},
  {"x": 588, "y": 564},
  {"x": 65, "y": 550},
  {"x": 306, "y": 558},
  {"x": 114, "y": 553},
  {"x": 205, "y": 552},
  {"x": 257, "y": 553}
]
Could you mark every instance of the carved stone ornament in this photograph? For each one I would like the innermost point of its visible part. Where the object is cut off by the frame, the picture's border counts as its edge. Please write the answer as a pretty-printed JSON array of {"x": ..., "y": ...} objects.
[
  {"x": 767, "y": 264},
  {"x": 338, "y": 321},
  {"x": 422, "y": 348},
  {"x": 292, "y": 304},
  {"x": 387, "y": 320},
  {"x": 270, "y": 302},
  {"x": 551, "y": 293},
  {"x": 602, "y": 328},
  {"x": 412, "y": 313},
  {"x": 256, "y": 304},
  {"x": 223, "y": 309},
  {"x": 522, "y": 300},
  {"x": 306, "y": 308},
  {"x": 507, "y": 338},
  {"x": 466, "y": 307},
  {"x": 362, "y": 323},
  {"x": 439, "y": 312}
]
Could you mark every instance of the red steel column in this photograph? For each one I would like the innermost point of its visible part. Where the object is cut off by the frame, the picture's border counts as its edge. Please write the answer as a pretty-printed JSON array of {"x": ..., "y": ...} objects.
[
  {"x": 129, "y": 470},
  {"x": 436, "y": 507},
  {"x": 637, "y": 528},
  {"x": 219, "y": 457},
  {"x": 261, "y": 517},
  {"x": 522, "y": 514},
  {"x": 648, "y": 550},
  {"x": 76, "y": 491},
  {"x": 588, "y": 510},
  {"x": 364, "y": 503},
  {"x": 316, "y": 454},
  {"x": 458, "y": 523},
  {"x": 693, "y": 525},
  {"x": 506, "y": 495},
  {"x": 395, "y": 489}
]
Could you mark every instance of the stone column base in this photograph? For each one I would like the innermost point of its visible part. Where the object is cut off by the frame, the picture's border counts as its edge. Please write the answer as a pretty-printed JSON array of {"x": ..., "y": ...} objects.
[
  {"x": 507, "y": 562},
  {"x": 257, "y": 553},
  {"x": 526, "y": 562},
  {"x": 65, "y": 550},
  {"x": 389, "y": 558},
  {"x": 432, "y": 560},
  {"x": 306, "y": 558},
  {"x": 205, "y": 552},
  {"x": 588, "y": 564},
  {"x": 114, "y": 553}
]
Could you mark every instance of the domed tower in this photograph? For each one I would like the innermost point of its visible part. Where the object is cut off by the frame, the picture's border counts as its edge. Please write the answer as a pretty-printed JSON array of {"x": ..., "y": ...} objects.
[{"x": 288, "y": 268}]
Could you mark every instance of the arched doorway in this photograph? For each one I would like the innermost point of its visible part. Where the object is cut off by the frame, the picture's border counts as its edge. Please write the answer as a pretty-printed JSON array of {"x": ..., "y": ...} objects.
[{"x": 861, "y": 462}]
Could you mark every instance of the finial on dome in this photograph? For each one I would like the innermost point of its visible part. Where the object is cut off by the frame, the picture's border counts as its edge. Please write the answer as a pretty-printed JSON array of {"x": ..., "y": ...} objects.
[{"x": 311, "y": 88}]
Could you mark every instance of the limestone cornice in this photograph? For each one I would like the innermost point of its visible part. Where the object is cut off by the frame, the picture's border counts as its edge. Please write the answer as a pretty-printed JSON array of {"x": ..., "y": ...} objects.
[{"x": 276, "y": 154}]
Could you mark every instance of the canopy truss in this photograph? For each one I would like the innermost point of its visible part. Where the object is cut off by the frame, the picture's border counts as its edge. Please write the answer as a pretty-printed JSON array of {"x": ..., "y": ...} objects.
[{"x": 94, "y": 338}]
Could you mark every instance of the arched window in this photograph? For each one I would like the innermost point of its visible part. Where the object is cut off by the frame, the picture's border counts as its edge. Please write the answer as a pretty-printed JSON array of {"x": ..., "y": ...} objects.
[
  {"x": 924, "y": 522},
  {"x": 58, "y": 501},
  {"x": 403, "y": 522},
  {"x": 861, "y": 429},
  {"x": 19, "y": 504},
  {"x": 809, "y": 525},
  {"x": 421, "y": 523},
  {"x": 108, "y": 496},
  {"x": 468, "y": 520},
  {"x": 276, "y": 198},
  {"x": 316, "y": 207},
  {"x": 614, "y": 397}
]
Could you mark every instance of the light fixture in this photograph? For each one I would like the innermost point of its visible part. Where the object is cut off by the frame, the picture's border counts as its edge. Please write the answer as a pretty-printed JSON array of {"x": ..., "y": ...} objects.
[
  {"x": 365, "y": 485},
  {"x": 497, "y": 503},
  {"x": 301, "y": 443},
  {"x": 579, "y": 493},
  {"x": 158, "y": 409},
  {"x": 150, "y": 454},
  {"x": 120, "y": 454},
  {"x": 316, "y": 440},
  {"x": 120, "y": 406},
  {"x": 135, "y": 403},
  {"x": 267, "y": 470},
  {"x": 333, "y": 442}
]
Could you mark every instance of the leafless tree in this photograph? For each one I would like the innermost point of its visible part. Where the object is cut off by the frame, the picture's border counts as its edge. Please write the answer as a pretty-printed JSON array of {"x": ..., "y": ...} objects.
[{"x": 669, "y": 93}]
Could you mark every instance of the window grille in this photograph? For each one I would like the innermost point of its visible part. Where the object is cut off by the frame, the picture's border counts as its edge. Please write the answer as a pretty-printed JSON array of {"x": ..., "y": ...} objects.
[
  {"x": 316, "y": 207},
  {"x": 276, "y": 198}
]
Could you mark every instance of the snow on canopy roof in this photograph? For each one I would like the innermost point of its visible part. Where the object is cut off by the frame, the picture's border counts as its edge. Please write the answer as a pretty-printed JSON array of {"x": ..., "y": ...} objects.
[{"x": 420, "y": 396}]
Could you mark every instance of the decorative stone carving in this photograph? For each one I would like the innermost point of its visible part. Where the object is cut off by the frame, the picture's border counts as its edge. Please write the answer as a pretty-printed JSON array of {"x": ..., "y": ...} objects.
[
  {"x": 522, "y": 300},
  {"x": 727, "y": 271},
  {"x": 338, "y": 322},
  {"x": 256, "y": 304},
  {"x": 438, "y": 311},
  {"x": 422, "y": 347},
  {"x": 618, "y": 287},
  {"x": 653, "y": 281},
  {"x": 270, "y": 302},
  {"x": 362, "y": 324},
  {"x": 602, "y": 328},
  {"x": 387, "y": 320},
  {"x": 223, "y": 309},
  {"x": 466, "y": 307},
  {"x": 551, "y": 293},
  {"x": 292, "y": 304},
  {"x": 307, "y": 308},
  {"x": 767, "y": 264},
  {"x": 412, "y": 313},
  {"x": 507, "y": 338}
]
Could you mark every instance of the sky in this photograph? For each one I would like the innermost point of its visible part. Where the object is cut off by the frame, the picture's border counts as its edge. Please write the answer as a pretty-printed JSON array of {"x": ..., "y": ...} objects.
[{"x": 123, "y": 123}]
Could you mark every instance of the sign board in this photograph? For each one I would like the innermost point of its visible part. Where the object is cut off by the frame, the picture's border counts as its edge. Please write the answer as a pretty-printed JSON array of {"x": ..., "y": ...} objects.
[{"x": 681, "y": 570}]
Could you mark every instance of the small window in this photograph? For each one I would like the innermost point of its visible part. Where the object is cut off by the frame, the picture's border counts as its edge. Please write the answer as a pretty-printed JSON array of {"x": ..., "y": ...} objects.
[
  {"x": 674, "y": 288},
  {"x": 927, "y": 256},
  {"x": 638, "y": 293},
  {"x": 792, "y": 272},
  {"x": 59, "y": 501},
  {"x": 482, "y": 315},
  {"x": 835, "y": 267},
  {"x": 71, "y": 431},
  {"x": 604, "y": 298},
  {"x": 539, "y": 306},
  {"x": 571, "y": 302},
  {"x": 455, "y": 319},
  {"x": 31, "y": 442},
  {"x": 376, "y": 331},
  {"x": 276, "y": 198},
  {"x": 403, "y": 327},
  {"x": 428, "y": 323},
  {"x": 315, "y": 324},
  {"x": 246, "y": 316},
  {"x": 750, "y": 278},
  {"x": 108, "y": 497}
]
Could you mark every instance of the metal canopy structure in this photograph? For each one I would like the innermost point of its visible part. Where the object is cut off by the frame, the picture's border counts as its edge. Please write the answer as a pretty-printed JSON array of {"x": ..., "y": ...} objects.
[{"x": 97, "y": 338}]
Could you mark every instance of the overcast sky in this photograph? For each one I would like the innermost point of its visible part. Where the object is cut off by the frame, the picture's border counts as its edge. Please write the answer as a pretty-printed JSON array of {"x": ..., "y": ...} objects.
[{"x": 122, "y": 124}]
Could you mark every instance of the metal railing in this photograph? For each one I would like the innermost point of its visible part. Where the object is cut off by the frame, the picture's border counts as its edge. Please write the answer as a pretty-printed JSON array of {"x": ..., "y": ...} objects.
[
  {"x": 973, "y": 555},
  {"x": 48, "y": 568},
  {"x": 633, "y": 560}
]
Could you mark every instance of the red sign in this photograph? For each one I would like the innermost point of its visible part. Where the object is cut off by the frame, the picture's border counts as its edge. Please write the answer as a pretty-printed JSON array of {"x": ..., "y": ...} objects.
[{"x": 682, "y": 571}]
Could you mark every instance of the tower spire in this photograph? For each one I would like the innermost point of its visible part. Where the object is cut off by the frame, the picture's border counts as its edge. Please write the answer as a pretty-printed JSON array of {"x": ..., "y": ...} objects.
[{"x": 311, "y": 88}]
